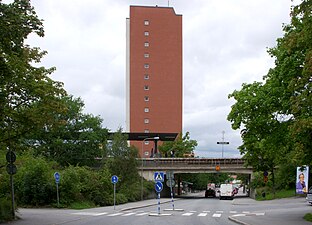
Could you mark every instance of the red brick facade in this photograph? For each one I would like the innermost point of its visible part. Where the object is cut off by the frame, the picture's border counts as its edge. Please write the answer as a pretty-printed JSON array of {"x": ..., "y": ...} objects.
[{"x": 154, "y": 71}]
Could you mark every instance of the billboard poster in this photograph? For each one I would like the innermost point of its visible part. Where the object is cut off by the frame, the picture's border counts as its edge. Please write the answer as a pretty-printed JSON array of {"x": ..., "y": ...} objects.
[{"x": 302, "y": 180}]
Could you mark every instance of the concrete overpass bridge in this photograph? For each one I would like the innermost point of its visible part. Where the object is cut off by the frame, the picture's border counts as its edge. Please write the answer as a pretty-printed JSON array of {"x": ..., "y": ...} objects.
[
  {"x": 148, "y": 166},
  {"x": 193, "y": 165}
]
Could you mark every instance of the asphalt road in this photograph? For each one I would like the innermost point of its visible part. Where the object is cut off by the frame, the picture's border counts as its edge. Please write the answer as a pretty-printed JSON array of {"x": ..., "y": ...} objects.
[{"x": 197, "y": 211}]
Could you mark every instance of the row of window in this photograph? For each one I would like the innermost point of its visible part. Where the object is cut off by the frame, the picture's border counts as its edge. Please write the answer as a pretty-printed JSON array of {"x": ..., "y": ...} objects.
[{"x": 146, "y": 77}]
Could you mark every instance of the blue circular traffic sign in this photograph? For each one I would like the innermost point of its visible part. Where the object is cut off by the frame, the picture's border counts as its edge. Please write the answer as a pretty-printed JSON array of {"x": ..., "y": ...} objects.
[
  {"x": 114, "y": 179},
  {"x": 57, "y": 177},
  {"x": 158, "y": 186}
]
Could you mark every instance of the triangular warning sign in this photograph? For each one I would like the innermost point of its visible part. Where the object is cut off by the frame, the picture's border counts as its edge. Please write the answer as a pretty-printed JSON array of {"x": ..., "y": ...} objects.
[{"x": 158, "y": 177}]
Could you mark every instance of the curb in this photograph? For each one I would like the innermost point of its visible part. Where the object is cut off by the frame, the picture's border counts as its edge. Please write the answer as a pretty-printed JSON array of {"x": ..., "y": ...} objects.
[{"x": 237, "y": 221}]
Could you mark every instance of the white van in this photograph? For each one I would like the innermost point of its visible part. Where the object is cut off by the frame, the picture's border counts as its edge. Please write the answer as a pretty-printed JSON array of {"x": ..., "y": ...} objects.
[{"x": 226, "y": 191}]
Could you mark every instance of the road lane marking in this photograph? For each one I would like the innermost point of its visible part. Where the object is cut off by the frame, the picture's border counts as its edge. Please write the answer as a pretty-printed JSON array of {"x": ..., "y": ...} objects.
[
  {"x": 187, "y": 214},
  {"x": 216, "y": 215},
  {"x": 233, "y": 212},
  {"x": 115, "y": 214},
  {"x": 128, "y": 214},
  {"x": 202, "y": 214},
  {"x": 100, "y": 214},
  {"x": 141, "y": 214},
  {"x": 90, "y": 213},
  {"x": 238, "y": 215}
]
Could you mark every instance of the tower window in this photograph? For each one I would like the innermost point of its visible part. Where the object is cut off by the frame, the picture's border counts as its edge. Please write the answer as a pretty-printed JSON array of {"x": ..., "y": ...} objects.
[
  {"x": 146, "y": 44},
  {"x": 146, "y": 87},
  {"x": 146, "y": 33},
  {"x": 146, "y": 65},
  {"x": 146, "y": 120},
  {"x": 146, "y": 77},
  {"x": 146, "y": 22},
  {"x": 146, "y": 131},
  {"x": 146, "y": 55},
  {"x": 146, "y": 110},
  {"x": 146, "y": 98}
]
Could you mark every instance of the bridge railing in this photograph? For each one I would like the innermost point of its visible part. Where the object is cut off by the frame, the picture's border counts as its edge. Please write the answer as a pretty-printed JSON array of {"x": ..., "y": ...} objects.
[{"x": 150, "y": 162}]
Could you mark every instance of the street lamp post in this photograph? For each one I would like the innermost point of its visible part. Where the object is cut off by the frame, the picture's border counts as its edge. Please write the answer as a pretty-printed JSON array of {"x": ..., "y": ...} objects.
[{"x": 151, "y": 138}]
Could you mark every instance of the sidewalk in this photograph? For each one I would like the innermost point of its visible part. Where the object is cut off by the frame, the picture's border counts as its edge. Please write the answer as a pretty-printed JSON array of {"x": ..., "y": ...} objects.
[{"x": 276, "y": 216}]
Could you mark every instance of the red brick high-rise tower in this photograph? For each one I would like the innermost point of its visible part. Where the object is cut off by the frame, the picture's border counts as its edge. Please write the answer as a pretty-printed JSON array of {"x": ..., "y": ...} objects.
[{"x": 154, "y": 72}]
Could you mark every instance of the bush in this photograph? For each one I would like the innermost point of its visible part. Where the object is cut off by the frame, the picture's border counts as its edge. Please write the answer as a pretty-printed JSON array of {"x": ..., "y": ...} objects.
[
  {"x": 33, "y": 183},
  {"x": 79, "y": 187},
  {"x": 5, "y": 209},
  {"x": 132, "y": 191},
  {"x": 83, "y": 184}
]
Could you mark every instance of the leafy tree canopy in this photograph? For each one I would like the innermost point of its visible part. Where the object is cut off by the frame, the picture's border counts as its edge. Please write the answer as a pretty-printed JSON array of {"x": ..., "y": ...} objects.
[
  {"x": 28, "y": 97},
  {"x": 276, "y": 115},
  {"x": 78, "y": 139},
  {"x": 181, "y": 146},
  {"x": 122, "y": 159}
]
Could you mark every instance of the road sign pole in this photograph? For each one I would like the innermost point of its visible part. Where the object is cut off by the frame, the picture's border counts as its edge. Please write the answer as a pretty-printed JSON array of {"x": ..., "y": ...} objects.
[
  {"x": 172, "y": 202},
  {"x": 114, "y": 195},
  {"x": 57, "y": 180},
  {"x": 158, "y": 203},
  {"x": 114, "y": 180},
  {"x": 12, "y": 193},
  {"x": 223, "y": 142},
  {"x": 57, "y": 195}
]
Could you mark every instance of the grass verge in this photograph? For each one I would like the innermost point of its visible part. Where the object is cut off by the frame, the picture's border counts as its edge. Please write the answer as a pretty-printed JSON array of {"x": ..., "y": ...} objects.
[
  {"x": 267, "y": 194},
  {"x": 82, "y": 205},
  {"x": 308, "y": 217}
]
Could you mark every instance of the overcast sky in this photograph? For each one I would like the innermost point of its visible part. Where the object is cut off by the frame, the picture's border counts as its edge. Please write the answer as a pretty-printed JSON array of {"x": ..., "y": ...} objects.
[{"x": 224, "y": 45}]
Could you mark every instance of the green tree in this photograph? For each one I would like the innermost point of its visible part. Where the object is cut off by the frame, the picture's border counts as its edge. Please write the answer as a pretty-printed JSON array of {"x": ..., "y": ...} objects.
[
  {"x": 275, "y": 116},
  {"x": 78, "y": 139},
  {"x": 123, "y": 162},
  {"x": 292, "y": 74},
  {"x": 28, "y": 97},
  {"x": 181, "y": 146}
]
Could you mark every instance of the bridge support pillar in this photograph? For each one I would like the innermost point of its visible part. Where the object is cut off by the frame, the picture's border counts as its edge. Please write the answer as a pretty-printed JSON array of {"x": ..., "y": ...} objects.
[
  {"x": 252, "y": 191},
  {"x": 148, "y": 175}
]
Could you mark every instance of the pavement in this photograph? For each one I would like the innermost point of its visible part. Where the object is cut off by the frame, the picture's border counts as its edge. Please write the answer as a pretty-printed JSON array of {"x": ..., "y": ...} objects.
[
  {"x": 290, "y": 215},
  {"x": 246, "y": 219}
]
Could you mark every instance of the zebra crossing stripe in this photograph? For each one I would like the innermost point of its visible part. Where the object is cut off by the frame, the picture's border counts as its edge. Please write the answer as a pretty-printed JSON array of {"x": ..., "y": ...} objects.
[
  {"x": 100, "y": 214},
  {"x": 217, "y": 214},
  {"x": 90, "y": 213},
  {"x": 128, "y": 214},
  {"x": 141, "y": 214},
  {"x": 187, "y": 214},
  {"x": 115, "y": 214}
]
